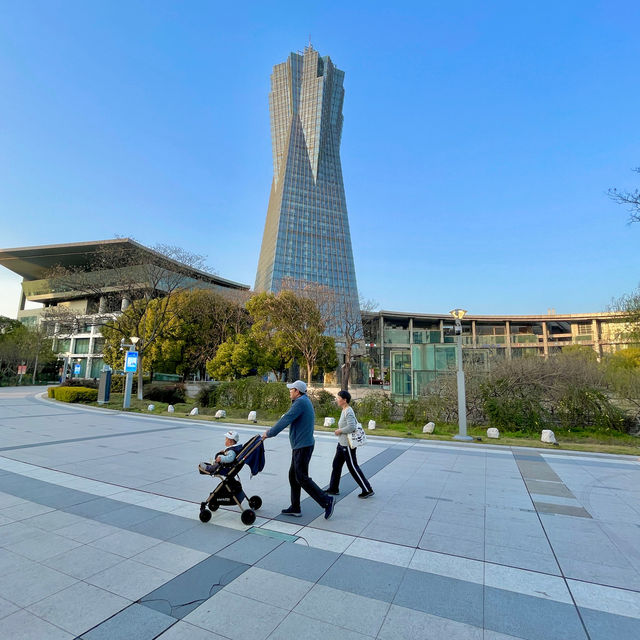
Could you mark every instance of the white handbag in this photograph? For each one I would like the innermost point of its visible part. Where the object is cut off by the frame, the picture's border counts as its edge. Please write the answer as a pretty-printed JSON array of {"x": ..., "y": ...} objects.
[{"x": 358, "y": 437}]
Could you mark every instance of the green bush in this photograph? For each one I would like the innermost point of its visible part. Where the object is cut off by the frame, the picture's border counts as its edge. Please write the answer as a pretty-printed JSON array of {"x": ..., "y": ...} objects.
[
  {"x": 169, "y": 393},
  {"x": 324, "y": 404},
  {"x": 87, "y": 383},
  {"x": 516, "y": 414},
  {"x": 207, "y": 396},
  {"x": 417, "y": 411},
  {"x": 51, "y": 392},
  {"x": 75, "y": 394},
  {"x": 275, "y": 397},
  {"x": 375, "y": 406}
]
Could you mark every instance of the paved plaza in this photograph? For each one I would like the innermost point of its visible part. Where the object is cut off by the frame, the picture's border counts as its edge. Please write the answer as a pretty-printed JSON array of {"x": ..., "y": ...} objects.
[{"x": 100, "y": 538}]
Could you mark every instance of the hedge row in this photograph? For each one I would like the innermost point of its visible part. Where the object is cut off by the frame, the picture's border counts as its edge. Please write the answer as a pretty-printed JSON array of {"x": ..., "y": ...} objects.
[{"x": 73, "y": 394}]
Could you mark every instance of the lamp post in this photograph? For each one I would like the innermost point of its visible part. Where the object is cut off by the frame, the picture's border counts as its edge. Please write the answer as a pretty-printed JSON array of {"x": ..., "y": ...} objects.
[{"x": 458, "y": 314}]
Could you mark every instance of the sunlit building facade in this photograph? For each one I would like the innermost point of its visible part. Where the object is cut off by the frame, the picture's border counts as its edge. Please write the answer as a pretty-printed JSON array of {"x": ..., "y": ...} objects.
[{"x": 306, "y": 234}]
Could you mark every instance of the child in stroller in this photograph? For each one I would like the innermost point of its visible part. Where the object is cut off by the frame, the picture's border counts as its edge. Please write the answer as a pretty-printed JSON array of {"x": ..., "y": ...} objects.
[{"x": 226, "y": 466}]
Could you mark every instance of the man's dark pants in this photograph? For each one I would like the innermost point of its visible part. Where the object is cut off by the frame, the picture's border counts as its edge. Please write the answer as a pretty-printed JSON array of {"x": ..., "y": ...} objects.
[{"x": 299, "y": 478}]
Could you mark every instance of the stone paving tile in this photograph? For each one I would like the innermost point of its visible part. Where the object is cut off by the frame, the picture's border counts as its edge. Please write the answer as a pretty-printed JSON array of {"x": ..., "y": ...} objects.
[
  {"x": 184, "y": 593},
  {"x": 606, "y": 626},
  {"x": 130, "y": 579},
  {"x": 42, "y": 546},
  {"x": 250, "y": 548},
  {"x": 79, "y": 607},
  {"x": 441, "y": 596},
  {"x": 450, "y": 566},
  {"x": 519, "y": 558},
  {"x": 349, "y": 610},
  {"x": 620, "y": 602},
  {"x": 241, "y": 617},
  {"x": 125, "y": 543},
  {"x": 269, "y": 587},
  {"x": 531, "y": 618},
  {"x": 135, "y": 621},
  {"x": 624, "y": 578},
  {"x": 532, "y": 583},
  {"x": 381, "y": 552},
  {"x": 365, "y": 577},
  {"x": 184, "y": 631},
  {"x": 303, "y": 628},
  {"x": 6, "y": 608},
  {"x": 170, "y": 557},
  {"x": 26, "y": 626},
  {"x": 409, "y": 624},
  {"x": 300, "y": 562},
  {"x": 83, "y": 561},
  {"x": 209, "y": 539},
  {"x": 327, "y": 540},
  {"x": 34, "y": 583},
  {"x": 453, "y": 546}
]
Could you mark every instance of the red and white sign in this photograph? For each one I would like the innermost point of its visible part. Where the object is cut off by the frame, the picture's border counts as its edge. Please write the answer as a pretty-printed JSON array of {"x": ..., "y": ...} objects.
[{"x": 22, "y": 369}]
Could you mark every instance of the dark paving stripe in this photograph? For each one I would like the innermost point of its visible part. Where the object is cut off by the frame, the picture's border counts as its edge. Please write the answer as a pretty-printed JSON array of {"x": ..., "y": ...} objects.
[
  {"x": 524, "y": 616},
  {"x": 546, "y": 488},
  {"x": 609, "y": 626},
  {"x": 562, "y": 509},
  {"x": 311, "y": 509},
  {"x": 135, "y": 621},
  {"x": 87, "y": 438},
  {"x": 180, "y": 596}
]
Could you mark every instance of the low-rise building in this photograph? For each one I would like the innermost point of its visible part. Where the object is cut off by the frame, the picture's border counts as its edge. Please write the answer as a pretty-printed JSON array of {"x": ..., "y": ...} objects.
[{"x": 93, "y": 289}]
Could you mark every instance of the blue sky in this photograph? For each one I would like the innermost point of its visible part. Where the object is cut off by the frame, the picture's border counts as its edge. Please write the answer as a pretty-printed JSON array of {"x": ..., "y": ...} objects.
[{"x": 479, "y": 140}]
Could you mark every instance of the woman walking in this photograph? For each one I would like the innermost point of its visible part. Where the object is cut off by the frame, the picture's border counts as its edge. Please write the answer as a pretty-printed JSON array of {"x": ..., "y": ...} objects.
[{"x": 344, "y": 453}]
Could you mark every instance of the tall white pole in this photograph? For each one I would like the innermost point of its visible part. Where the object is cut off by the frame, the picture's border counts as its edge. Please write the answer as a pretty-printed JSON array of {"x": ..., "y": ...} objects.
[{"x": 462, "y": 403}]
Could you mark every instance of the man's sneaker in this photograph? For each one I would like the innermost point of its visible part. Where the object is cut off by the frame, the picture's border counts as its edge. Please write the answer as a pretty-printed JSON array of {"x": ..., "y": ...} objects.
[
  {"x": 328, "y": 510},
  {"x": 333, "y": 493},
  {"x": 366, "y": 494},
  {"x": 290, "y": 511}
]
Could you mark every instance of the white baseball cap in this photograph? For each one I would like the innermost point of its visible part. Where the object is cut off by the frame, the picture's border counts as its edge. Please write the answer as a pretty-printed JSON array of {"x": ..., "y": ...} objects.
[
  {"x": 232, "y": 435},
  {"x": 299, "y": 385}
]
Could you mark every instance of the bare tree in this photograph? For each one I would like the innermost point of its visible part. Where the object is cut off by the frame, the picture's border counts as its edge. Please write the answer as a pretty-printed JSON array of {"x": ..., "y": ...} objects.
[{"x": 629, "y": 198}]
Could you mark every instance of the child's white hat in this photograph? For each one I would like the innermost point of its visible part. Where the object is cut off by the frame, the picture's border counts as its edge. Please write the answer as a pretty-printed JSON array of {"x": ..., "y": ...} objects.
[{"x": 232, "y": 435}]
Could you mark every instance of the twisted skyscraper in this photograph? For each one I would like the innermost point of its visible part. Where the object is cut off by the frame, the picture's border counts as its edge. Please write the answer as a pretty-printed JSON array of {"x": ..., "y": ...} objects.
[{"x": 306, "y": 235}]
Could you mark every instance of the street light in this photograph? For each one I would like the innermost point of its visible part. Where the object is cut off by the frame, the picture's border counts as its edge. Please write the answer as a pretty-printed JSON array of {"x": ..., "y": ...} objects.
[{"x": 458, "y": 314}]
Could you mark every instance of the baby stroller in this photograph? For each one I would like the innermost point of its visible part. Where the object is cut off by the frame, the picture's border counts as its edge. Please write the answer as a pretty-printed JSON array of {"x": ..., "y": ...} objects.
[{"x": 229, "y": 491}]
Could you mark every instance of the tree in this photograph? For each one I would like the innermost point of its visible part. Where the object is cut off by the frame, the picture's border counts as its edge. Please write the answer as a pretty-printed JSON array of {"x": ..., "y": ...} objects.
[
  {"x": 22, "y": 345},
  {"x": 141, "y": 282},
  {"x": 239, "y": 356},
  {"x": 292, "y": 324},
  {"x": 628, "y": 307},
  {"x": 342, "y": 318},
  {"x": 629, "y": 198}
]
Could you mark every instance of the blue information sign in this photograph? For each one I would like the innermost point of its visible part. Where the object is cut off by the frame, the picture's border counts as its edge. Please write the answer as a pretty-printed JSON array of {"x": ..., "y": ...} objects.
[
  {"x": 131, "y": 362},
  {"x": 76, "y": 369}
]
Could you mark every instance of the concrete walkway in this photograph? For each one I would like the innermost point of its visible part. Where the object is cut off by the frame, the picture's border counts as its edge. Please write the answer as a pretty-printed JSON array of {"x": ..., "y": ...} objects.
[{"x": 100, "y": 538}]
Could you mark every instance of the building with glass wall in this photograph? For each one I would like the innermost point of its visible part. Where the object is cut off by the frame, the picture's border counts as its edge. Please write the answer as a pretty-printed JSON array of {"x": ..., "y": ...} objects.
[
  {"x": 408, "y": 351},
  {"x": 99, "y": 298},
  {"x": 306, "y": 235}
]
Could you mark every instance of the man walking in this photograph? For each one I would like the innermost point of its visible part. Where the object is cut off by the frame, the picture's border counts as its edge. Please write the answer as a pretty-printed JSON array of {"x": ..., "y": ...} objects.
[{"x": 301, "y": 418}]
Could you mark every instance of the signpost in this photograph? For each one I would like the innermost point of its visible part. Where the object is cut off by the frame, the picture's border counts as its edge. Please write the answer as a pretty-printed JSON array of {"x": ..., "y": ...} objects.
[
  {"x": 130, "y": 367},
  {"x": 76, "y": 368}
]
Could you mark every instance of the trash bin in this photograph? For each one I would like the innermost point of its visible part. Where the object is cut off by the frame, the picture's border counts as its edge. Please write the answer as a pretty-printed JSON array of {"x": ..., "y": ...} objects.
[{"x": 104, "y": 387}]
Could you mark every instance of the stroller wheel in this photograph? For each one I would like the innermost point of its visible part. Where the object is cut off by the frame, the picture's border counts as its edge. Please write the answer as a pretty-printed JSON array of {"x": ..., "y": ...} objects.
[
  {"x": 255, "y": 502},
  {"x": 214, "y": 506},
  {"x": 248, "y": 516},
  {"x": 205, "y": 515}
]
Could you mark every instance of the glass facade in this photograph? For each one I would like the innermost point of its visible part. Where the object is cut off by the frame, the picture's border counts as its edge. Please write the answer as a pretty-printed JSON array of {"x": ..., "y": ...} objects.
[{"x": 306, "y": 235}]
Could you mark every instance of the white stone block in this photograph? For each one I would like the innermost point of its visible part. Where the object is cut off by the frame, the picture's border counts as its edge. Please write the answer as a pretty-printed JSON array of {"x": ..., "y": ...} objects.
[
  {"x": 372, "y": 424},
  {"x": 548, "y": 436},
  {"x": 253, "y": 416},
  {"x": 329, "y": 422},
  {"x": 429, "y": 427},
  {"x": 151, "y": 407},
  {"x": 221, "y": 413},
  {"x": 171, "y": 408},
  {"x": 492, "y": 432},
  {"x": 194, "y": 411}
]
